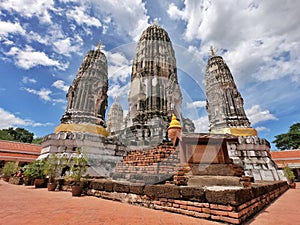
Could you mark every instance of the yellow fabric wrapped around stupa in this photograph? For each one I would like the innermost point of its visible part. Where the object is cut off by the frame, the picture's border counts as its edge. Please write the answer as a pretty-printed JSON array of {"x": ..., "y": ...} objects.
[{"x": 84, "y": 128}]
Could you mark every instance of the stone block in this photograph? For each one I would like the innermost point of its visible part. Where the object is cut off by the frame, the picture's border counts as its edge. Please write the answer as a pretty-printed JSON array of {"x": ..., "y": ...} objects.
[
  {"x": 267, "y": 175},
  {"x": 192, "y": 193},
  {"x": 136, "y": 189},
  {"x": 121, "y": 187},
  {"x": 231, "y": 197},
  {"x": 108, "y": 186},
  {"x": 162, "y": 191},
  {"x": 96, "y": 185}
]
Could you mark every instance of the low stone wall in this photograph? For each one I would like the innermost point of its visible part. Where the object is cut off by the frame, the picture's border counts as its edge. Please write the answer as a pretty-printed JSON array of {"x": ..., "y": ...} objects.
[{"x": 232, "y": 206}]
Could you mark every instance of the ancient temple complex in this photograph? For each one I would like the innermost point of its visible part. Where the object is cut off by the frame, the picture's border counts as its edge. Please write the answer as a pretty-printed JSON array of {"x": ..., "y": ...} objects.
[
  {"x": 232, "y": 144},
  {"x": 154, "y": 144}
]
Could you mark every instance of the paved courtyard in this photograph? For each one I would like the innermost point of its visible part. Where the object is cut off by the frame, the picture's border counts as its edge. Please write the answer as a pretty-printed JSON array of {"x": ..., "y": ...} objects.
[{"x": 27, "y": 205}]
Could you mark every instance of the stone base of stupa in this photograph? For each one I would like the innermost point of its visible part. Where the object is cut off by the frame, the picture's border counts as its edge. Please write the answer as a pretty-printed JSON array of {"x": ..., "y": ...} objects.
[{"x": 103, "y": 153}]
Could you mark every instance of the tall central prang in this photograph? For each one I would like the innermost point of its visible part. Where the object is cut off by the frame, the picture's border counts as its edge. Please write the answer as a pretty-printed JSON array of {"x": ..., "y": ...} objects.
[{"x": 154, "y": 91}]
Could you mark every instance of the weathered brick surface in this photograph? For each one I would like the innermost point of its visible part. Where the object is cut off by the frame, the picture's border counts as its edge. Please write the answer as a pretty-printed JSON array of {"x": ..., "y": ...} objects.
[{"x": 230, "y": 206}]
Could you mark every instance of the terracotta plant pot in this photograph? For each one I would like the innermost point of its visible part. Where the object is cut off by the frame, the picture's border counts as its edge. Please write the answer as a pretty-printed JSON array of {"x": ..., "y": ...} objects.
[
  {"x": 40, "y": 183},
  {"x": 76, "y": 191},
  {"x": 5, "y": 178},
  {"x": 51, "y": 186}
]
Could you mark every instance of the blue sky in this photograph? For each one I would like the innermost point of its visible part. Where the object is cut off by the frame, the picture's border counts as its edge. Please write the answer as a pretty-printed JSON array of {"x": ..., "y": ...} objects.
[{"x": 43, "y": 42}]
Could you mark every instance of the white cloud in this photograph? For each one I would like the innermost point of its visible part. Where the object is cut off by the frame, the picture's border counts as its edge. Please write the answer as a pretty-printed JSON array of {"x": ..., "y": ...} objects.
[
  {"x": 29, "y": 58},
  {"x": 116, "y": 90},
  {"x": 8, "y": 119},
  {"x": 129, "y": 17},
  {"x": 27, "y": 80},
  {"x": 201, "y": 124},
  {"x": 196, "y": 104},
  {"x": 60, "y": 84},
  {"x": 7, "y": 28},
  {"x": 256, "y": 114},
  {"x": 81, "y": 17},
  {"x": 66, "y": 46},
  {"x": 262, "y": 129},
  {"x": 260, "y": 46},
  {"x": 119, "y": 67},
  {"x": 43, "y": 93},
  {"x": 30, "y": 8}
]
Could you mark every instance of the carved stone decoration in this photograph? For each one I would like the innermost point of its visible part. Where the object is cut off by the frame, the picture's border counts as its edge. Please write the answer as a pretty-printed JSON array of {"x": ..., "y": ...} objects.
[
  {"x": 87, "y": 96},
  {"x": 154, "y": 91},
  {"x": 225, "y": 104}
]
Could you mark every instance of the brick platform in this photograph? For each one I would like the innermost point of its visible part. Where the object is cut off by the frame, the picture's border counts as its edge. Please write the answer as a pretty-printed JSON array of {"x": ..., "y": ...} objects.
[{"x": 230, "y": 205}]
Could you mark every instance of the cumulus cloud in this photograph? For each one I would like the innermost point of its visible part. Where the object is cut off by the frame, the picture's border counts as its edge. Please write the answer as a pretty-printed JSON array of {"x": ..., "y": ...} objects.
[
  {"x": 8, "y": 119},
  {"x": 196, "y": 104},
  {"x": 119, "y": 67},
  {"x": 43, "y": 93},
  {"x": 7, "y": 28},
  {"x": 262, "y": 129},
  {"x": 257, "y": 43},
  {"x": 60, "y": 84},
  {"x": 29, "y": 58},
  {"x": 256, "y": 114},
  {"x": 79, "y": 14},
  {"x": 27, "y": 80},
  {"x": 117, "y": 90},
  {"x": 133, "y": 10},
  {"x": 201, "y": 124},
  {"x": 30, "y": 8},
  {"x": 67, "y": 45}
]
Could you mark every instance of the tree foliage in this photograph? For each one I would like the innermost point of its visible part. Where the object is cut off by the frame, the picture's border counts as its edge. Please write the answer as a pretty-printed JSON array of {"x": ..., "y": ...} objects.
[
  {"x": 289, "y": 140},
  {"x": 16, "y": 134}
]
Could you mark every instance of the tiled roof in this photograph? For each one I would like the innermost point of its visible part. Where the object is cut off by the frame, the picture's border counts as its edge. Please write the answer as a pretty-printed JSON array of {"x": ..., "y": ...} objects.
[
  {"x": 284, "y": 158},
  {"x": 286, "y": 154},
  {"x": 17, "y": 151}
]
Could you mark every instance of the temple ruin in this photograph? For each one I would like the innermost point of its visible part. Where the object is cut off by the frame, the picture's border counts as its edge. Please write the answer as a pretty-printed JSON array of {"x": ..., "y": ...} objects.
[{"x": 147, "y": 165}]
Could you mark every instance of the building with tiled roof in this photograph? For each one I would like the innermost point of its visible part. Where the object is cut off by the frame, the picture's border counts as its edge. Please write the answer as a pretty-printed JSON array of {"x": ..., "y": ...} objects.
[
  {"x": 290, "y": 158},
  {"x": 22, "y": 153}
]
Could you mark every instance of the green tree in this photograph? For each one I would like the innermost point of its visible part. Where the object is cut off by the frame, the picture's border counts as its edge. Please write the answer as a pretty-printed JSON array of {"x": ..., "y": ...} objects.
[
  {"x": 289, "y": 140},
  {"x": 5, "y": 136},
  {"x": 17, "y": 134},
  {"x": 37, "y": 141}
]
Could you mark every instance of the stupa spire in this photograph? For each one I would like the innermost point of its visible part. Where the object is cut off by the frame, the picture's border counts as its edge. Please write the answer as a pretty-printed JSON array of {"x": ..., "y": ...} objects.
[{"x": 225, "y": 105}]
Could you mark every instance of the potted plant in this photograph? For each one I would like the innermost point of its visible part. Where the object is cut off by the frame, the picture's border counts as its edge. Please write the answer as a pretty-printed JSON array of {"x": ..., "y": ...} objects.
[
  {"x": 36, "y": 171},
  {"x": 288, "y": 172},
  {"x": 9, "y": 169},
  {"x": 78, "y": 163},
  {"x": 52, "y": 169}
]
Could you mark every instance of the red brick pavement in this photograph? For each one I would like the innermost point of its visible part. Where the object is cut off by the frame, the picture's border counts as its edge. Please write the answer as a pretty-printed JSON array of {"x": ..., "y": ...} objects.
[
  {"x": 27, "y": 205},
  {"x": 284, "y": 211}
]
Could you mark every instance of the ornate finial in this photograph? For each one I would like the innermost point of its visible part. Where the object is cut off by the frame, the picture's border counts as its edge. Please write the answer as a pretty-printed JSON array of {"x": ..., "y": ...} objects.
[
  {"x": 117, "y": 99},
  {"x": 99, "y": 46},
  {"x": 212, "y": 51}
]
